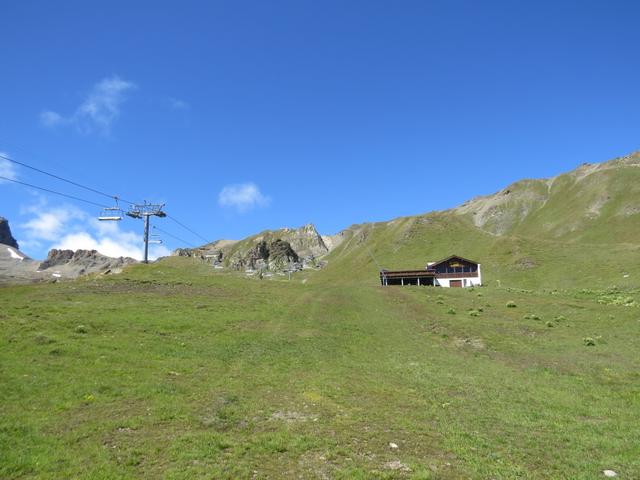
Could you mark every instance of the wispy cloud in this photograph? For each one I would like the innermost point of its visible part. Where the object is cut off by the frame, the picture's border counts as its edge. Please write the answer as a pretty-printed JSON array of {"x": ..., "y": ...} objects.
[
  {"x": 177, "y": 104},
  {"x": 67, "y": 227},
  {"x": 52, "y": 119},
  {"x": 242, "y": 197},
  {"x": 7, "y": 169},
  {"x": 100, "y": 109}
]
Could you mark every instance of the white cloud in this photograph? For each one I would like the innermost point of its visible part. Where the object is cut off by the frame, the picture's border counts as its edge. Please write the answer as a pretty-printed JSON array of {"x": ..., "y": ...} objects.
[
  {"x": 67, "y": 227},
  {"x": 242, "y": 197},
  {"x": 7, "y": 169},
  {"x": 50, "y": 224},
  {"x": 98, "y": 111},
  {"x": 120, "y": 244}
]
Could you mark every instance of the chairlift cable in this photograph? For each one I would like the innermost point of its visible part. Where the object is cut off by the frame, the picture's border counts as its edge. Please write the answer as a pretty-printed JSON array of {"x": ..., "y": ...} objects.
[
  {"x": 53, "y": 191},
  {"x": 189, "y": 229},
  {"x": 374, "y": 259},
  {"x": 76, "y": 184},
  {"x": 9, "y": 159},
  {"x": 174, "y": 237}
]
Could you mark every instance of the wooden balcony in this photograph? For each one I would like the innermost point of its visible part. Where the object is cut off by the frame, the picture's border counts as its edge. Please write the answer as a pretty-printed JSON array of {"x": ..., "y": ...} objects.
[
  {"x": 407, "y": 274},
  {"x": 457, "y": 275}
]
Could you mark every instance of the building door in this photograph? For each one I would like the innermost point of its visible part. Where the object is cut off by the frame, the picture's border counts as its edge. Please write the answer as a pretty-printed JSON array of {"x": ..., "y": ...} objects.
[{"x": 455, "y": 283}]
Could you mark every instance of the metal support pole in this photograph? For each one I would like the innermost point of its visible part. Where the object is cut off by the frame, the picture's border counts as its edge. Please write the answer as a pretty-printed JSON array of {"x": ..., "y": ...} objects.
[
  {"x": 146, "y": 238},
  {"x": 145, "y": 211}
]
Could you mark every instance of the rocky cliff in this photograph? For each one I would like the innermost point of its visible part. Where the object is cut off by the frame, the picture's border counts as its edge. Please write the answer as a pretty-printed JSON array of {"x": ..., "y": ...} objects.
[
  {"x": 277, "y": 250},
  {"x": 6, "y": 238},
  {"x": 274, "y": 255}
]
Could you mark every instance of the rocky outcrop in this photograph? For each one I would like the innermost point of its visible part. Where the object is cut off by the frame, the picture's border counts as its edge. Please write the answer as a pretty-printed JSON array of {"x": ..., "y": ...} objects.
[
  {"x": 306, "y": 240},
  {"x": 277, "y": 250},
  {"x": 5, "y": 234},
  {"x": 275, "y": 255},
  {"x": 287, "y": 248},
  {"x": 83, "y": 261}
]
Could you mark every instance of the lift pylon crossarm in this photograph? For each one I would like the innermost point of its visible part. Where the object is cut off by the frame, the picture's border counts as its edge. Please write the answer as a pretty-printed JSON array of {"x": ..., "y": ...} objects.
[{"x": 145, "y": 211}]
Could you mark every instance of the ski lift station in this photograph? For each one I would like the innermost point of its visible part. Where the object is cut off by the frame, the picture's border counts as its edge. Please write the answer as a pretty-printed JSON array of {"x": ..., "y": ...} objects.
[{"x": 453, "y": 271}]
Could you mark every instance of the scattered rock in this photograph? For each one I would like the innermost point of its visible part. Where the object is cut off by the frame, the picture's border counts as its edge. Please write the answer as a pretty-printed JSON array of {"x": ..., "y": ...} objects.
[
  {"x": 526, "y": 263},
  {"x": 291, "y": 416},
  {"x": 475, "y": 343},
  {"x": 392, "y": 445},
  {"x": 609, "y": 473},
  {"x": 397, "y": 465}
]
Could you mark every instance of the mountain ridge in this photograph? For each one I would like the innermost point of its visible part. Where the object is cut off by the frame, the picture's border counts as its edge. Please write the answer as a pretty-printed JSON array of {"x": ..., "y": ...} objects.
[
  {"x": 594, "y": 204},
  {"x": 593, "y": 208}
]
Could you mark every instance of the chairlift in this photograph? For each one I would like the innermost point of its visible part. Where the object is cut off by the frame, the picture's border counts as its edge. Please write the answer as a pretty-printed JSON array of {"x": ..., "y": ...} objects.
[{"x": 111, "y": 214}]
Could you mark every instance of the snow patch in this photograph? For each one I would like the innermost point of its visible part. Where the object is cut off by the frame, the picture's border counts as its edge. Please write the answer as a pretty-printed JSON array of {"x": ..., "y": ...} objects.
[{"x": 15, "y": 254}]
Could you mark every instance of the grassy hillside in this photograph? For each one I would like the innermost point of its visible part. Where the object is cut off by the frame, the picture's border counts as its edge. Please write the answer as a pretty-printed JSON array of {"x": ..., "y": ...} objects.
[
  {"x": 595, "y": 203},
  {"x": 577, "y": 230},
  {"x": 506, "y": 260},
  {"x": 175, "y": 371}
]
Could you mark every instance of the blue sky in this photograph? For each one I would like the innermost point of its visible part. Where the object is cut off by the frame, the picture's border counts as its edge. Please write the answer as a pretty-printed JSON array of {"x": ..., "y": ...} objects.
[{"x": 248, "y": 115}]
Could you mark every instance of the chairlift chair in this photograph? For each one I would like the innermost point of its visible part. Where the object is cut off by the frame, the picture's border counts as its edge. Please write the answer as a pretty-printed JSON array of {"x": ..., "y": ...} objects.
[{"x": 111, "y": 214}]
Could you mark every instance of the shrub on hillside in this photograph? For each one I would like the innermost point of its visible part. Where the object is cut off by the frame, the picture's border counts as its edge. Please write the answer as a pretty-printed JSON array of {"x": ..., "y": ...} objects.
[{"x": 589, "y": 342}]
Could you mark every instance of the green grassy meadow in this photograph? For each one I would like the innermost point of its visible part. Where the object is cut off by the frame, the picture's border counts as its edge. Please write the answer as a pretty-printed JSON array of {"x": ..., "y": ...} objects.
[{"x": 176, "y": 371}]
